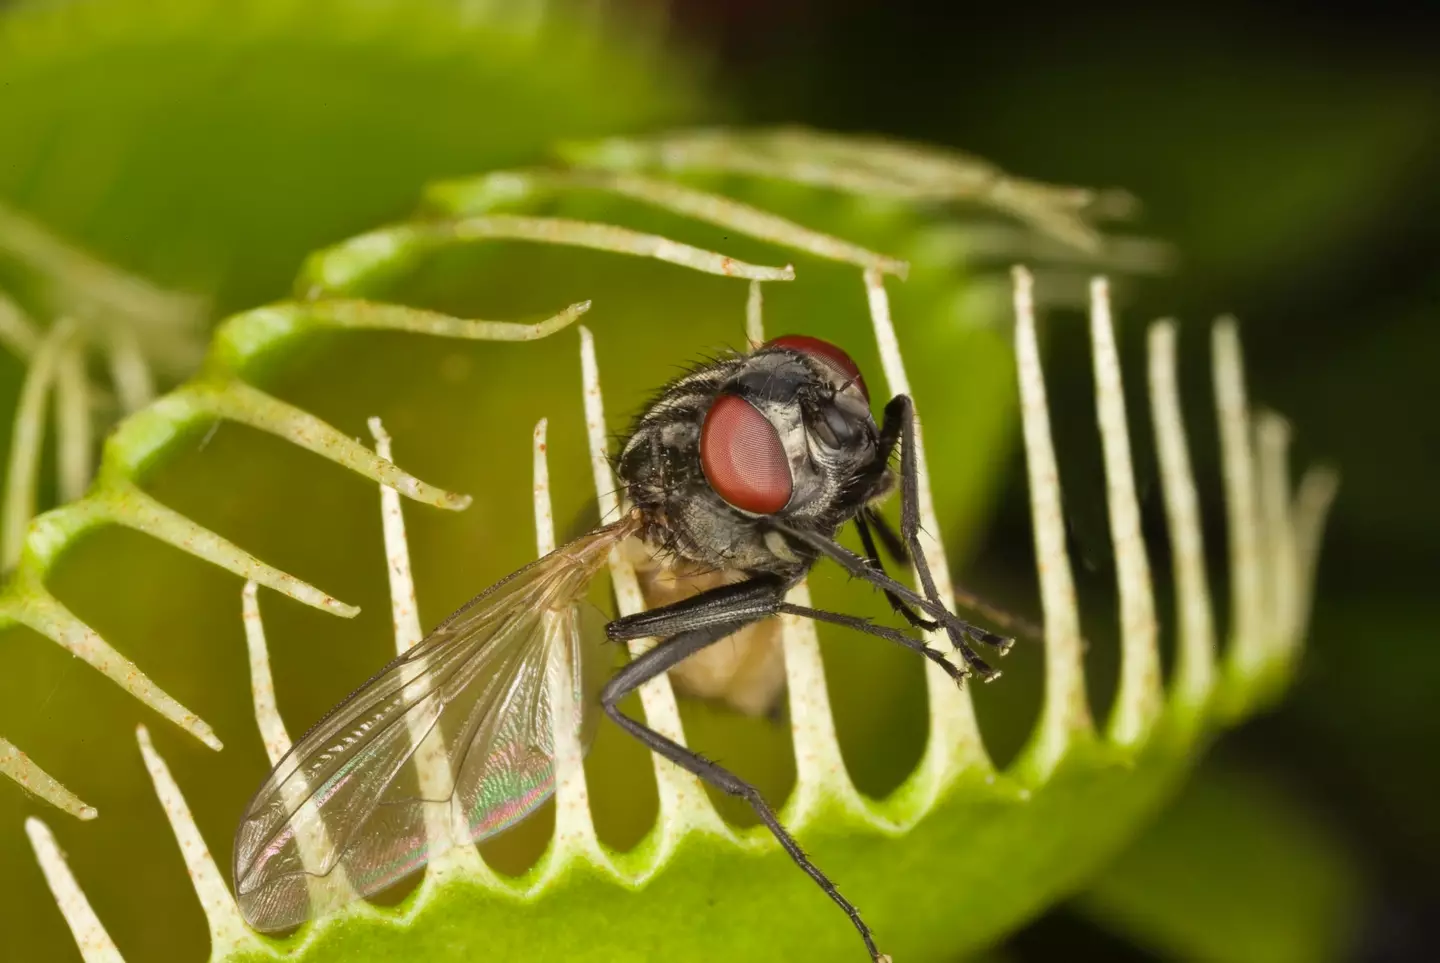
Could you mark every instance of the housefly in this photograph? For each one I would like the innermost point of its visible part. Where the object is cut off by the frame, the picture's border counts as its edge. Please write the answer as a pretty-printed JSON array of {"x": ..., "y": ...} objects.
[{"x": 744, "y": 468}]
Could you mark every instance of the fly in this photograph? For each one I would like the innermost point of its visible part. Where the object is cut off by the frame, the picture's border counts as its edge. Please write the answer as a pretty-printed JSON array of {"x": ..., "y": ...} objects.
[{"x": 744, "y": 468}]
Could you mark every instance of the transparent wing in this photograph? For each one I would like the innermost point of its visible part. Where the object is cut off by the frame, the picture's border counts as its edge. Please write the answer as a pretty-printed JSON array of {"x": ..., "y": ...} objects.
[{"x": 450, "y": 743}]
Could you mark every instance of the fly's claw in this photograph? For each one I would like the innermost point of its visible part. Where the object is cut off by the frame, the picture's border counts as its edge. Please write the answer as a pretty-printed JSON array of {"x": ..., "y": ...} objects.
[{"x": 1000, "y": 643}]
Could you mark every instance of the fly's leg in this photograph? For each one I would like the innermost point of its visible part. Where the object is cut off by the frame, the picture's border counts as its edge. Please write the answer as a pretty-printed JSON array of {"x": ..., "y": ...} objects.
[
  {"x": 861, "y": 568},
  {"x": 733, "y": 606},
  {"x": 691, "y": 625},
  {"x": 900, "y": 414},
  {"x": 900, "y": 422},
  {"x": 873, "y": 557},
  {"x": 889, "y": 538},
  {"x": 726, "y": 605},
  {"x": 879, "y": 631}
]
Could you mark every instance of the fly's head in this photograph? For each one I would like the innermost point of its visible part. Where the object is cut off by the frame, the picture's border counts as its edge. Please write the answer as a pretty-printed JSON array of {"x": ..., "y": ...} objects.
[
  {"x": 782, "y": 433},
  {"x": 790, "y": 434}
]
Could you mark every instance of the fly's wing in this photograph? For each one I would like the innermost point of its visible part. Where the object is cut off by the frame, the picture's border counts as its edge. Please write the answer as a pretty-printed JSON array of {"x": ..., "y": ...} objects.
[{"x": 474, "y": 704}]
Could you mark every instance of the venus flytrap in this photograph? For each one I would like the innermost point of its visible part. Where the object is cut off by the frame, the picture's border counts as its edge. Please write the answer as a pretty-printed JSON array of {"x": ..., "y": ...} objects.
[
  {"x": 1005, "y": 843},
  {"x": 1062, "y": 751}
]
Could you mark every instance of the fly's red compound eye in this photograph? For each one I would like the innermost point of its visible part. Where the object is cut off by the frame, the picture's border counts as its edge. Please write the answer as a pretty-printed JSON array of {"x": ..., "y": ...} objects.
[
  {"x": 743, "y": 458},
  {"x": 823, "y": 351}
]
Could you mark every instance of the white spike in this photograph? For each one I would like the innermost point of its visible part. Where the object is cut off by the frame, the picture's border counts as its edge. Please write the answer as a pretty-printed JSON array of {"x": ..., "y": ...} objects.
[
  {"x": 127, "y": 504},
  {"x": 755, "y": 316},
  {"x": 242, "y": 403},
  {"x": 954, "y": 742},
  {"x": 1242, "y": 513},
  {"x": 683, "y": 803},
  {"x": 129, "y": 371},
  {"x": 17, "y": 332},
  {"x": 821, "y": 778},
  {"x": 1195, "y": 656},
  {"x": 479, "y": 195},
  {"x": 74, "y": 438},
  {"x": 1137, "y": 701},
  {"x": 1066, "y": 713},
  {"x": 1281, "y": 561},
  {"x": 457, "y": 856},
  {"x": 355, "y": 314},
  {"x": 1317, "y": 493},
  {"x": 228, "y": 932},
  {"x": 609, "y": 237},
  {"x": 867, "y": 166},
  {"x": 822, "y": 782},
  {"x": 42, "y": 612},
  {"x": 93, "y": 942},
  {"x": 262, "y": 683},
  {"x": 544, "y": 514},
  {"x": 326, "y": 891},
  {"x": 27, "y": 439},
  {"x": 574, "y": 827},
  {"x": 17, "y": 766}
]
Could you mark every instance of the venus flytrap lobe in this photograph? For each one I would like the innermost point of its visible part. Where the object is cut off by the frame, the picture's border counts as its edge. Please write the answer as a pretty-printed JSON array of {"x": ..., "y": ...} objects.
[
  {"x": 331, "y": 279},
  {"x": 811, "y": 726},
  {"x": 1029, "y": 815}
]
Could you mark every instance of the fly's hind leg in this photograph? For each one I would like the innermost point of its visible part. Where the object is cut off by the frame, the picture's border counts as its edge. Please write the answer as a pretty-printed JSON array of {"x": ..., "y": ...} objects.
[{"x": 689, "y": 626}]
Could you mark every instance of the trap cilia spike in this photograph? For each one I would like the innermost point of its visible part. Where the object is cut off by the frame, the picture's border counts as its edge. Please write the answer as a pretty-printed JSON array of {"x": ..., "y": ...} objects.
[{"x": 746, "y": 466}]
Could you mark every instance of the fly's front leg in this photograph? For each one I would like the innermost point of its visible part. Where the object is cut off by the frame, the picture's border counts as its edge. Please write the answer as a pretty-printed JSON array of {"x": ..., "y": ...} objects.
[
  {"x": 691, "y": 625},
  {"x": 899, "y": 425},
  {"x": 901, "y": 411},
  {"x": 862, "y": 525}
]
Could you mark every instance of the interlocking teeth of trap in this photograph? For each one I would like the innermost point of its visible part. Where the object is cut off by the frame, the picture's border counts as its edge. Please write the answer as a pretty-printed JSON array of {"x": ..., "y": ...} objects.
[{"x": 1268, "y": 624}]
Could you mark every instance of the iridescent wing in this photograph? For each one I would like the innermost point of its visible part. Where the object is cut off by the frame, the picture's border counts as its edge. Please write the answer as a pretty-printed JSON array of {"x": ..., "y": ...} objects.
[{"x": 450, "y": 743}]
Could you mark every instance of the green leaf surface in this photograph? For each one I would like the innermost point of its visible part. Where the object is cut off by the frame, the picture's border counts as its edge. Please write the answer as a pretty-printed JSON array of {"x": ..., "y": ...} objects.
[{"x": 461, "y": 416}]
